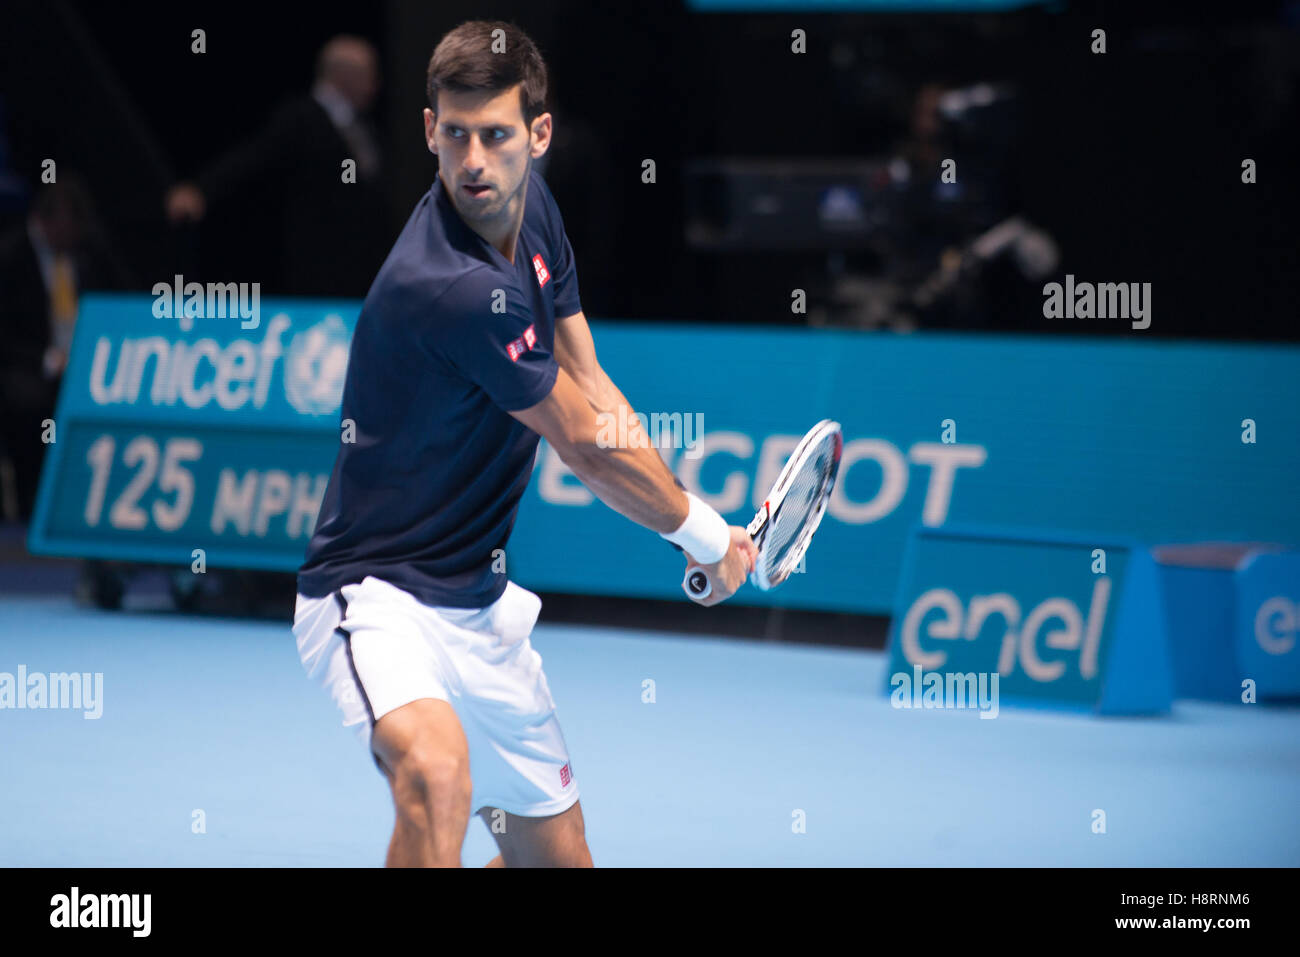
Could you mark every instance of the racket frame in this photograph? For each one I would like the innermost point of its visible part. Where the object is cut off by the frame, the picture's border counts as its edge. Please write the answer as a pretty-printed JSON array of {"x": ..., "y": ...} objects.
[
  {"x": 762, "y": 521},
  {"x": 764, "y": 517}
]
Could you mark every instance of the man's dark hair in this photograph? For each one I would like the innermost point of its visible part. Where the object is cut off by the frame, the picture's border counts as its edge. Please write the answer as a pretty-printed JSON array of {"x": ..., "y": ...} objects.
[{"x": 465, "y": 62}]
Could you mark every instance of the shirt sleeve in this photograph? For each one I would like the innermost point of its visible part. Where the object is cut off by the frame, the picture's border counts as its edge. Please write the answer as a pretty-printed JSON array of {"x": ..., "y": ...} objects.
[
  {"x": 498, "y": 351},
  {"x": 564, "y": 269}
]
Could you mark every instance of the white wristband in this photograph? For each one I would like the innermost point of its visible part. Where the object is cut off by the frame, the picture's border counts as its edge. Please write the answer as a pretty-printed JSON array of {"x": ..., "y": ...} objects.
[{"x": 704, "y": 534}]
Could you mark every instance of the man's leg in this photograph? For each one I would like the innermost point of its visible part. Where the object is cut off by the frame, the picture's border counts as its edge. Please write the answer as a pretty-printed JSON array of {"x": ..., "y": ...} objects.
[
  {"x": 422, "y": 748},
  {"x": 556, "y": 841}
]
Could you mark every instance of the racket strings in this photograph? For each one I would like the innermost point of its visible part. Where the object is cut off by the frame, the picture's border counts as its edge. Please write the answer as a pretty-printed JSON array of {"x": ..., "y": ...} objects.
[{"x": 804, "y": 497}]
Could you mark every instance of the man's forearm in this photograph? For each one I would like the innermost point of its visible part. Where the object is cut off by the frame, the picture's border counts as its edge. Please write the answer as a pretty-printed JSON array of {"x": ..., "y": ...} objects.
[
  {"x": 632, "y": 479},
  {"x": 628, "y": 481}
]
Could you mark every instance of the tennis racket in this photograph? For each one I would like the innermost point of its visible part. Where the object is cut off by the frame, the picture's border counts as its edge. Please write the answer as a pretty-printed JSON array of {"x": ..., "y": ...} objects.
[{"x": 784, "y": 526}]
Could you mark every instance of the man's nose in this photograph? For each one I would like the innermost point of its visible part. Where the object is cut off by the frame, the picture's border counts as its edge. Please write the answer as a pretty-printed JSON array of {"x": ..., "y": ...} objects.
[{"x": 474, "y": 156}]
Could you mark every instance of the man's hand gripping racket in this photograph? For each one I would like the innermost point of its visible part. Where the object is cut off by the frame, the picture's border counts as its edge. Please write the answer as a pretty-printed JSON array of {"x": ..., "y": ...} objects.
[{"x": 783, "y": 528}]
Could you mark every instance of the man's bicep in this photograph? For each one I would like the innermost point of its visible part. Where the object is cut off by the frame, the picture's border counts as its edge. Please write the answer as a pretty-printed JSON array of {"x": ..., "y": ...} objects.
[
  {"x": 564, "y": 418},
  {"x": 575, "y": 351}
]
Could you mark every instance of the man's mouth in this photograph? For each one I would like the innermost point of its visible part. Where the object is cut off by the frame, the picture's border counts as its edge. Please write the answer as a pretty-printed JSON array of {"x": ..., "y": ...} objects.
[{"x": 476, "y": 189}]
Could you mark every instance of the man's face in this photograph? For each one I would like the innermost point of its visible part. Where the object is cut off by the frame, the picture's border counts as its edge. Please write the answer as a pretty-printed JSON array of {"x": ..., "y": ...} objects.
[
  {"x": 485, "y": 151},
  {"x": 358, "y": 80}
]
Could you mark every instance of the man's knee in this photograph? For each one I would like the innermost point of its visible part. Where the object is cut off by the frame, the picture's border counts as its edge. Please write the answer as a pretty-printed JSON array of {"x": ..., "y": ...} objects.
[
  {"x": 423, "y": 750},
  {"x": 427, "y": 772}
]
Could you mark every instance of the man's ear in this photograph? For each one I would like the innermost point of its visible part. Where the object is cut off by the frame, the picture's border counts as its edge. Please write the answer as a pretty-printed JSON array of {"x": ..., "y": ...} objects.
[
  {"x": 429, "y": 121},
  {"x": 542, "y": 128}
]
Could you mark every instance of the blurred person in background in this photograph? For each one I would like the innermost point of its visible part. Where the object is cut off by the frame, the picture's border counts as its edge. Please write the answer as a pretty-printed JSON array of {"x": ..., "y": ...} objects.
[
  {"x": 335, "y": 233},
  {"x": 45, "y": 264},
  {"x": 962, "y": 253}
]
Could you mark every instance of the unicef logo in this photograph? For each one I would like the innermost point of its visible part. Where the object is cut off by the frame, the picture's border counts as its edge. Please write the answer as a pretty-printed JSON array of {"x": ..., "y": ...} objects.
[{"x": 315, "y": 366}]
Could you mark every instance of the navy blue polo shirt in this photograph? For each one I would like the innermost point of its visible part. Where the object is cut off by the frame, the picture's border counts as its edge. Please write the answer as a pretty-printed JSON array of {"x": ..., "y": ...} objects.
[{"x": 451, "y": 337}]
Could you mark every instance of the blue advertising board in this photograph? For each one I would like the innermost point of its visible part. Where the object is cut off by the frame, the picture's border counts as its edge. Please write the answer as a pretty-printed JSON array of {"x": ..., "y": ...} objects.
[
  {"x": 1268, "y": 623},
  {"x": 1199, "y": 600},
  {"x": 177, "y": 434},
  {"x": 194, "y": 433},
  {"x": 1063, "y": 620}
]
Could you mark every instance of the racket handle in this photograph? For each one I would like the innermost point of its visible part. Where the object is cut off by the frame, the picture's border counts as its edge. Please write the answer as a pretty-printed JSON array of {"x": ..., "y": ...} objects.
[{"x": 696, "y": 584}]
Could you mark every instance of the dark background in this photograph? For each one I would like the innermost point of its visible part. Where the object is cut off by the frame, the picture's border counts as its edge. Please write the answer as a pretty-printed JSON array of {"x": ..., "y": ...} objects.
[{"x": 1131, "y": 159}]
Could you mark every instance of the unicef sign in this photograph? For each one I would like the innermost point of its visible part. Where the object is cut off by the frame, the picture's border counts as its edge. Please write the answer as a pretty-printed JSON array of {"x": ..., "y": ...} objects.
[
  {"x": 174, "y": 433},
  {"x": 209, "y": 367},
  {"x": 315, "y": 367}
]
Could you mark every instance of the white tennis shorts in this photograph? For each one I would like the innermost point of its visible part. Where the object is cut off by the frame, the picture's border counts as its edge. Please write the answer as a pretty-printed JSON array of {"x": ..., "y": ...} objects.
[{"x": 375, "y": 647}]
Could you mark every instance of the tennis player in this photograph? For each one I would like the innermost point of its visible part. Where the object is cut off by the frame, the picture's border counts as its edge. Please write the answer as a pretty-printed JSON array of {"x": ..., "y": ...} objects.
[{"x": 470, "y": 344}]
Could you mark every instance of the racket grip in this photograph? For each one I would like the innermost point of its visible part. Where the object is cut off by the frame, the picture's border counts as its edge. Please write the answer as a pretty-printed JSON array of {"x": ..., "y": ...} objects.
[{"x": 696, "y": 584}]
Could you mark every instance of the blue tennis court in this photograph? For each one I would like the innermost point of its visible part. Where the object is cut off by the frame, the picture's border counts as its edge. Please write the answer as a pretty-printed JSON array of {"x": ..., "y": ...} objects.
[{"x": 211, "y": 721}]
